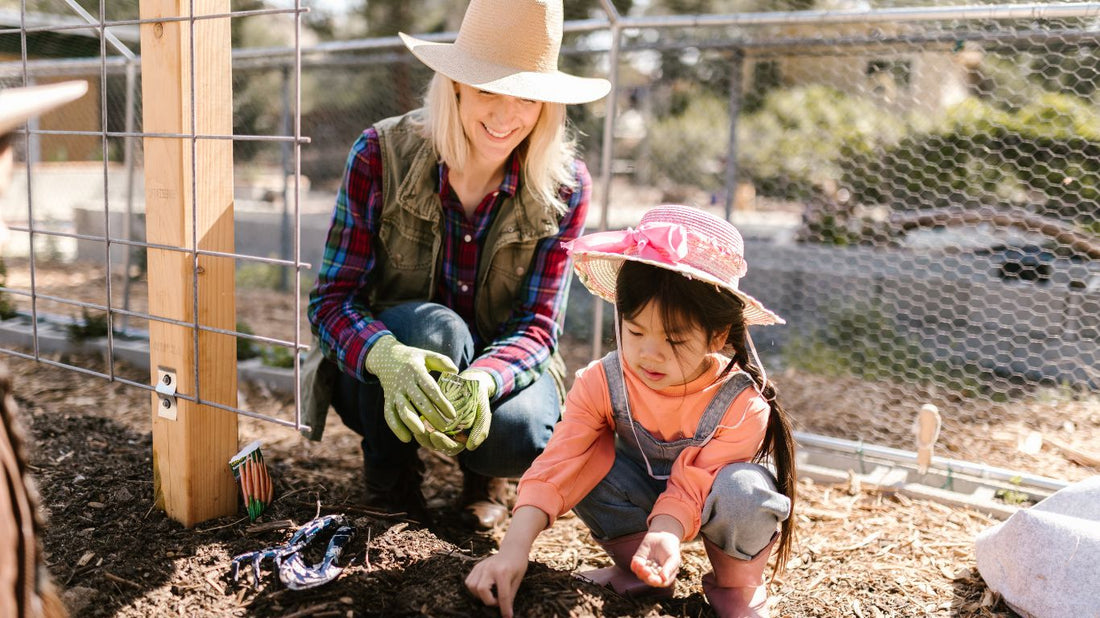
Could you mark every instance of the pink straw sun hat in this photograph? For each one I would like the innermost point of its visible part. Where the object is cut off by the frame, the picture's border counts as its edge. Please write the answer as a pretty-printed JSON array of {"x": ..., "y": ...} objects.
[
  {"x": 678, "y": 238},
  {"x": 510, "y": 47}
]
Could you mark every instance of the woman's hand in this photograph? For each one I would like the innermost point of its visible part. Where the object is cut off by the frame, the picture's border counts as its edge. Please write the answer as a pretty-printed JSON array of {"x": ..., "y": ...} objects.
[
  {"x": 657, "y": 560},
  {"x": 494, "y": 580}
]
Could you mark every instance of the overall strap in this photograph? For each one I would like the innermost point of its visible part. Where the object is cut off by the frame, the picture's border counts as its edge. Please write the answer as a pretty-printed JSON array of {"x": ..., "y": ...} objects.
[
  {"x": 613, "y": 372},
  {"x": 718, "y": 406}
]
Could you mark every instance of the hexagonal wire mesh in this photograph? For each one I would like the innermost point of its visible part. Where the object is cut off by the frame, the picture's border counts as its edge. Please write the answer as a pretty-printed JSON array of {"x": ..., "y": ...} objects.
[{"x": 917, "y": 185}]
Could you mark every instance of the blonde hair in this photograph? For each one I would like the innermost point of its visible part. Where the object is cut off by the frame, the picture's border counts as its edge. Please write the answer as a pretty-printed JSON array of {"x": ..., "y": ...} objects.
[{"x": 546, "y": 155}]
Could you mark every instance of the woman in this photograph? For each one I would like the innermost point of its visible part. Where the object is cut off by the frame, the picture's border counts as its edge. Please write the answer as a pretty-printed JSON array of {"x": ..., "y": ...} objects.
[{"x": 445, "y": 255}]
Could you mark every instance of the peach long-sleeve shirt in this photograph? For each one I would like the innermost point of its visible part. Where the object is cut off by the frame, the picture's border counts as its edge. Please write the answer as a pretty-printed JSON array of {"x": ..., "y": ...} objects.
[{"x": 582, "y": 448}]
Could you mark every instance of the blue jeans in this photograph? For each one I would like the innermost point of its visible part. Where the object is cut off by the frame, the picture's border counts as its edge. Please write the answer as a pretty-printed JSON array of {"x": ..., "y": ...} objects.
[
  {"x": 740, "y": 514},
  {"x": 522, "y": 421}
]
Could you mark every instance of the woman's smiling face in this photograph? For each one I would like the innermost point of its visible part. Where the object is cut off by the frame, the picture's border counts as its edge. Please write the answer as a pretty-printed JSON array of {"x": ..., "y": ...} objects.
[{"x": 495, "y": 123}]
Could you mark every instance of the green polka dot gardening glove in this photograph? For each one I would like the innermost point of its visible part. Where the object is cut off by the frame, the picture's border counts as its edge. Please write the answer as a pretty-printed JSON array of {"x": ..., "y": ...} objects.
[
  {"x": 479, "y": 430},
  {"x": 414, "y": 406}
]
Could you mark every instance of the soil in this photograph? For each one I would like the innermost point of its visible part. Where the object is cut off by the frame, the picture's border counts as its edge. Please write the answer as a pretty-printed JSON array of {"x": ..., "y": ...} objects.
[{"x": 860, "y": 551}]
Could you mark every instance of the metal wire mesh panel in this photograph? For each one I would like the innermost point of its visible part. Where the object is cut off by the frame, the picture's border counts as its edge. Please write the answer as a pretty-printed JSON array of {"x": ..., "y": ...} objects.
[
  {"x": 918, "y": 198},
  {"x": 917, "y": 183},
  {"x": 77, "y": 255}
]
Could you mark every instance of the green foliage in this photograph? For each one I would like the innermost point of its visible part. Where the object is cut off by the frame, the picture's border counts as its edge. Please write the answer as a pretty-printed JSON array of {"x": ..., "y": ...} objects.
[
  {"x": 690, "y": 147},
  {"x": 258, "y": 275},
  {"x": 91, "y": 326},
  {"x": 860, "y": 340},
  {"x": 278, "y": 356},
  {"x": 1045, "y": 153},
  {"x": 246, "y": 348},
  {"x": 794, "y": 143},
  {"x": 7, "y": 307}
]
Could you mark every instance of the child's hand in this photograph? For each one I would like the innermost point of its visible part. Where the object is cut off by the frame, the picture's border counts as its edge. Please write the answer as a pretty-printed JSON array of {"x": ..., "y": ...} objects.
[
  {"x": 495, "y": 579},
  {"x": 658, "y": 559}
]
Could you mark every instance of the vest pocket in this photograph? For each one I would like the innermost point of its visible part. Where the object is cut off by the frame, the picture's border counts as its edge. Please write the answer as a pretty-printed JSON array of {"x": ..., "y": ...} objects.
[
  {"x": 506, "y": 274},
  {"x": 403, "y": 249}
]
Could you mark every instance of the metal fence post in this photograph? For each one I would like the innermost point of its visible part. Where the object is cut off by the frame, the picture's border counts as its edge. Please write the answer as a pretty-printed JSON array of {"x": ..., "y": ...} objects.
[
  {"x": 737, "y": 66},
  {"x": 606, "y": 158}
]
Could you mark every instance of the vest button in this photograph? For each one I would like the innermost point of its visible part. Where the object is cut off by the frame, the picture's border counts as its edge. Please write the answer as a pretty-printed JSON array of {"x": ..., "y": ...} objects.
[
  {"x": 519, "y": 270},
  {"x": 465, "y": 288},
  {"x": 467, "y": 238}
]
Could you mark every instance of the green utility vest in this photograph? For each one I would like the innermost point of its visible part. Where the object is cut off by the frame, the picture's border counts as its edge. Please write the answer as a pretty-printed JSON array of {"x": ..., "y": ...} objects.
[
  {"x": 407, "y": 255},
  {"x": 407, "y": 258}
]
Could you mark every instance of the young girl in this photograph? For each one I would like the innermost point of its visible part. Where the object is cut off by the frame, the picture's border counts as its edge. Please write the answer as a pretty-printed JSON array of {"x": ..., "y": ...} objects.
[{"x": 674, "y": 434}]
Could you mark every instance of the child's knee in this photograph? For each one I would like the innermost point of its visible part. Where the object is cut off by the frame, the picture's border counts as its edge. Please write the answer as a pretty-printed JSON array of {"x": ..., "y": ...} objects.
[{"x": 743, "y": 509}]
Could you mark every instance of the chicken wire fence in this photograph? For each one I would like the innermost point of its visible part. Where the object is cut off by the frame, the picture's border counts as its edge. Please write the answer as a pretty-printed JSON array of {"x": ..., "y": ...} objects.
[{"x": 917, "y": 185}]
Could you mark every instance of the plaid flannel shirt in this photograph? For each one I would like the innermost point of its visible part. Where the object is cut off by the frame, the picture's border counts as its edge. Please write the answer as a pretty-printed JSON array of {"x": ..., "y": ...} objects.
[{"x": 521, "y": 351}]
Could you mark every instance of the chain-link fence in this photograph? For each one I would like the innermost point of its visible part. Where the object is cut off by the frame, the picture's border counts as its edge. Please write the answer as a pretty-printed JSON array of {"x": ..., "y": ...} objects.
[{"x": 917, "y": 185}]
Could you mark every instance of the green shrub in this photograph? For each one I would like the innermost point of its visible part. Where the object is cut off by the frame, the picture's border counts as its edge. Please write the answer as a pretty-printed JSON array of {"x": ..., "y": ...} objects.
[
  {"x": 795, "y": 143},
  {"x": 861, "y": 340},
  {"x": 258, "y": 275},
  {"x": 7, "y": 307},
  {"x": 1045, "y": 154},
  {"x": 688, "y": 148},
  {"x": 246, "y": 348},
  {"x": 90, "y": 326},
  {"x": 278, "y": 356}
]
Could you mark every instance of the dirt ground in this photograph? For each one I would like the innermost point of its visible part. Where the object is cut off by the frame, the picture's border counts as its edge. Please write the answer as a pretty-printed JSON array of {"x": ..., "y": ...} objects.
[{"x": 860, "y": 552}]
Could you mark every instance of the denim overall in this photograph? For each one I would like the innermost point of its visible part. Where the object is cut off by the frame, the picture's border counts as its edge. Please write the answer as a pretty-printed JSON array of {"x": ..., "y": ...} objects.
[{"x": 739, "y": 515}]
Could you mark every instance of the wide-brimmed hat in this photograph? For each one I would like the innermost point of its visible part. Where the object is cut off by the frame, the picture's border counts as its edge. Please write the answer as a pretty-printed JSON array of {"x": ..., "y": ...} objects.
[
  {"x": 679, "y": 238},
  {"x": 17, "y": 105},
  {"x": 510, "y": 47}
]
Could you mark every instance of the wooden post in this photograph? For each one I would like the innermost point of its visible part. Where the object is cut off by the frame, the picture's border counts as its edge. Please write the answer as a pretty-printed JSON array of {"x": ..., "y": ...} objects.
[{"x": 191, "y": 477}]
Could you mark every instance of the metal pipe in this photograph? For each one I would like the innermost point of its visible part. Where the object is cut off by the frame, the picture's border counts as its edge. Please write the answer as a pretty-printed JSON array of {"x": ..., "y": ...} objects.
[
  {"x": 894, "y": 15},
  {"x": 606, "y": 159},
  {"x": 297, "y": 220},
  {"x": 737, "y": 66},
  {"x": 284, "y": 163},
  {"x": 114, "y": 23},
  {"x": 272, "y": 56},
  {"x": 910, "y": 457},
  {"x": 106, "y": 146},
  {"x": 235, "y": 138},
  {"x": 100, "y": 23},
  {"x": 128, "y": 155},
  {"x": 30, "y": 183}
]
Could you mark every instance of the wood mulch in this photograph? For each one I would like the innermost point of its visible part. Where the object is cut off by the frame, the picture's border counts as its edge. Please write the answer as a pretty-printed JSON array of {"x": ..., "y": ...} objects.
[{"x": 860, "y": 551}]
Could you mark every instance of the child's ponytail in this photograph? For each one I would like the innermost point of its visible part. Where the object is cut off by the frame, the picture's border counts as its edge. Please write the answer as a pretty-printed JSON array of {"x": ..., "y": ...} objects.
[{"x": 778, "y": 446}]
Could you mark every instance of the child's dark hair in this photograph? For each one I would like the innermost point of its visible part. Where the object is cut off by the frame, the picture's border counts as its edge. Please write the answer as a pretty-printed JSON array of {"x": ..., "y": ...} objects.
[{"x": 686, "y": 303}]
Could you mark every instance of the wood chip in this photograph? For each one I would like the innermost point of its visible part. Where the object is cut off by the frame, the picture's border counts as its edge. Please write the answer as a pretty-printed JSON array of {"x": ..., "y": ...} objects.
[
  {"x": 1074, "y": 454},
  {"x": 279, "y": 524}
]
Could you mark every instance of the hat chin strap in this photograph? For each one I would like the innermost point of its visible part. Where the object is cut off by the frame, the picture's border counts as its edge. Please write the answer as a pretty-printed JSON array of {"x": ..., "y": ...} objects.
[
  {"x": 626, "y": 396},
  {"x": 763, "y": 372},
  {"x": 626, "y": 399}
]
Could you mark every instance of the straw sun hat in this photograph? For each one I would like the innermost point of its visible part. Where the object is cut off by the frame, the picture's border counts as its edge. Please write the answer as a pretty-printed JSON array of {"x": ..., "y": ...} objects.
[
  {"x": 510, "y": 47},
  {"x": 678, "y": 238},
  {"x": 17, "y": 105}
]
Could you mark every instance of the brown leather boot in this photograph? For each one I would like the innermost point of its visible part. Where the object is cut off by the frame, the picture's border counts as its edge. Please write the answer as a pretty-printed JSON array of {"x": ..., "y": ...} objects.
[
  {"x": 396, "y": 490},
  {"x": 736, "y": 588},
  {"x": 619, "y": 577},
  {"x": 484, "y": 500}
]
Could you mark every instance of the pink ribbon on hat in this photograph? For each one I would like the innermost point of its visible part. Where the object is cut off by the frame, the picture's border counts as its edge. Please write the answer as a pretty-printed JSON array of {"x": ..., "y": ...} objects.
[{"x": 656, "y": 242}]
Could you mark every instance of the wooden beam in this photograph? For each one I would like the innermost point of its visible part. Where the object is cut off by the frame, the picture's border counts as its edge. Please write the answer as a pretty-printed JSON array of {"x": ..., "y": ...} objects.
[{"x": 191, "y": 477}]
